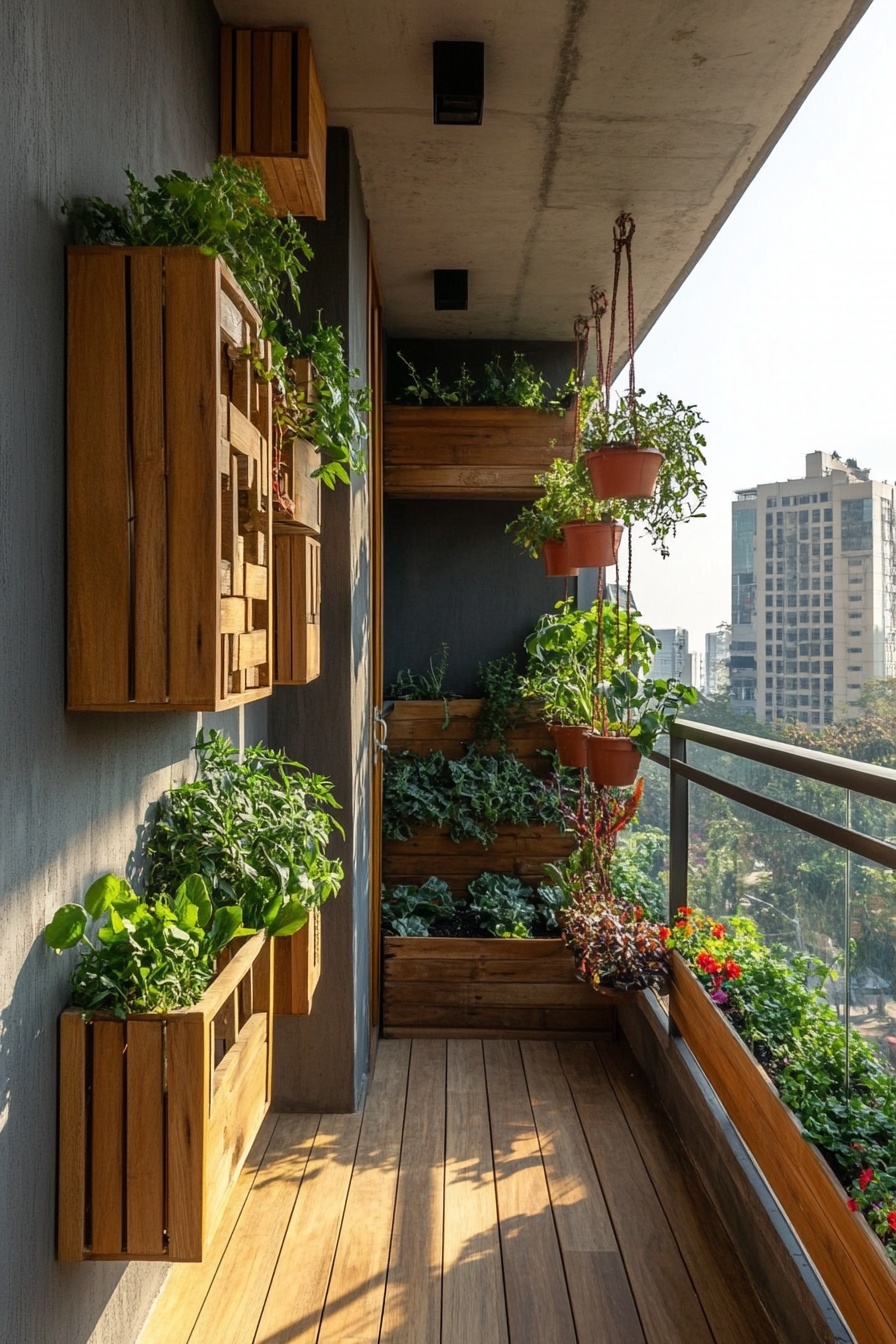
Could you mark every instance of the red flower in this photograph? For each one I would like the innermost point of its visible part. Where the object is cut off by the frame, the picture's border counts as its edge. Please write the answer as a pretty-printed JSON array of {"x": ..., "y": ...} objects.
[
  {"x": 707, "y": 963},
  {"x": 718, "y": 930},
  {"x": 853, "y": 1206},
  {"x": 732, "y": 970},
  {"x": 866, "y": 1177},
  {"x": 663, "y": 933},
  {"x": 891, "y": 1220},
  {"x": 685, "y": 910}
]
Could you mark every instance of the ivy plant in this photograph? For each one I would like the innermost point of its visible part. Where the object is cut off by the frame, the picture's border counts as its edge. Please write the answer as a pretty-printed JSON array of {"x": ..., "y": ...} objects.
[
  {"x": 499, "y": 684},
  {"x": 257, "y": 831},
  {"x": 150, "y": 955}
]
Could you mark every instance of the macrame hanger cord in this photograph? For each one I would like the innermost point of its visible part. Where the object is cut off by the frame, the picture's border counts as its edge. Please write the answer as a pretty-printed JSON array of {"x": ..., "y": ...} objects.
[{"x": 581, "y": 332}]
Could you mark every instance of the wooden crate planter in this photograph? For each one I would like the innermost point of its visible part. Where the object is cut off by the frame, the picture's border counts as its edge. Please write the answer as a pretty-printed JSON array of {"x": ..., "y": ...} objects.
[
  {"x": 169, "y": 484},
  {"x": 520, "y": 851},
  {"x": 273, "y": 115},
  {"x": 419, "y": 726},
  {"x": 297, "y": 608},
  {"x": 470, "y": 452},
  {"x": 489, "y": 987},
  {"x": 297, "y": 969},
  {"x": 157, "y": 1115},
  {"x": 847, "y": 1255},
  {"x": 297, "y": 493}
]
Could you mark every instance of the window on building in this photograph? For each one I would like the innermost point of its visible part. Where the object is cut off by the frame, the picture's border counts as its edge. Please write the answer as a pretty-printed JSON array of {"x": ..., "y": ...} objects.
[
  {"x": 829, "y": 548},
  {"x": 828, "y": 532},
  {"x": 816, "y": 515},
  {"x": 856, "y": 524}
]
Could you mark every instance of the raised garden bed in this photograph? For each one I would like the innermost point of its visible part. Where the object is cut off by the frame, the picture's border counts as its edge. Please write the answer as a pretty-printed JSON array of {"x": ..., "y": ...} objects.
[
  {"x": 518, "y": 987},
  {"x": 521, "y": 851},
  {"x": 157, "y": 1114},
  {"x": 420, "y": 726},
  {"x": 845, "y": 1252},
  {"x": 169, "y": 484},
  {"x": 470, "y": 452}
]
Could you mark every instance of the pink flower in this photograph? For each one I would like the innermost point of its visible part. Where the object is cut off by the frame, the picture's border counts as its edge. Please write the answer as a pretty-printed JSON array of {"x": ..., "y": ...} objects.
[{"x": 719, "y": 996}]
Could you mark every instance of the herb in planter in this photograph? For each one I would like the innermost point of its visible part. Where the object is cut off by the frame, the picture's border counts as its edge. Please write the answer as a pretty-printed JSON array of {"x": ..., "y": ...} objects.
[
  {"x": 566, "y": 497},
  {"x": 151, "y": 955},
  {"x": 642, "y": 710},
  {"x": 410, "y": 911},
  {"x": 517, "y": 385},
  {"x": 503, "y": 905},
  {"x": 427, "y": 685},
  {"x": 257, "y": 831}
]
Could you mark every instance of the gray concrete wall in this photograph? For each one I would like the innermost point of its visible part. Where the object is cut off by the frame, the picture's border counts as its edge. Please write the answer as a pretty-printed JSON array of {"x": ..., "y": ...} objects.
[
  {"x": 86, "y": 88},
  {"x": 320, "y": 1062}
]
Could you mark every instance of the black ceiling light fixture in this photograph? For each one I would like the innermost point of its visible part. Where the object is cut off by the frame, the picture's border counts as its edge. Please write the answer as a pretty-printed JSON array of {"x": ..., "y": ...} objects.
[
  {"x": 458, "y": 83},
  {"x": 449, "y": 290}
]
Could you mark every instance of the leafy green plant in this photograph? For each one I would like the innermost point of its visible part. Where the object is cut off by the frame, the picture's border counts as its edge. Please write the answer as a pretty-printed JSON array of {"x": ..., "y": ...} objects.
[
  {"x": 635, "y": 867},
  {"x": 669, "y": 426},
  {"x": 150, "y": 955},
  {"x": 518, "y": 384},
  {"x": 567, "y": 498},
  {"x": 499, "y": 684},
  {"x": 616, "y": 946},
  {"x": 503, "y": 904},
  {"x": 562, "y": 657},
  {"x": 428, "y": 685},
  {"x": 225, "y": 214},
  {"x": 419, "y": 390},
  {"x": 334, "y": 422},
  {"x": 410, "y": 911},
  {"x": 256, "y": 830},
  {"x": 642, "y": 709}
]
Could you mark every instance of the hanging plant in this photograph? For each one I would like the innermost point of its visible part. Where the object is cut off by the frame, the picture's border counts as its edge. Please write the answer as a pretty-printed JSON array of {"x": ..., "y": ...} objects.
[
  {"x": 632, "y": 715},
  {"x": 568, "y": 517}
]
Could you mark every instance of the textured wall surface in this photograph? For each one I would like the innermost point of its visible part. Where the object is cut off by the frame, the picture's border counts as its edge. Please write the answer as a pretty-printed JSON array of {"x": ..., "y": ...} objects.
[
  {"x": 320, "y": 1062},
  {"x": 86, "y": 88}
]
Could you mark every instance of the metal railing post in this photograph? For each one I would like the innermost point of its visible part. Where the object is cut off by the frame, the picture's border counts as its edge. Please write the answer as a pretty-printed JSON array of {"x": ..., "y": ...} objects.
[{"x": 678, "y": 835}]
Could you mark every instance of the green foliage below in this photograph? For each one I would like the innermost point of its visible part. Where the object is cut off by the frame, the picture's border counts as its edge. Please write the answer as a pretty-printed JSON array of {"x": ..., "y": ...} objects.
[
  {"x": 409, "y": 911},
  {"x": 256, "y": 830},
  {"x": 517, "y": 385},
  {"x": 503, "y": 906},
  {"x": 150, "y": 955},
  {"x": 635, "y": 867},
  {"x": 470, "y": 796},
  {"x": 566, "y": 497},
  {"x": 499, "y": 684}
]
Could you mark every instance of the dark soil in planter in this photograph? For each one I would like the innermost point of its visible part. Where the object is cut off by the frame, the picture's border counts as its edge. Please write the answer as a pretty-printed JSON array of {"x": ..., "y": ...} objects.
[{"x": 466, "y": 925}]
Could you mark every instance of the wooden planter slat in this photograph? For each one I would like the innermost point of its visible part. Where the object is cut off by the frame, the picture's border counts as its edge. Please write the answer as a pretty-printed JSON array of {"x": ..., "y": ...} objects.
[
  {"x": 297, "y": 962},
  {"x": 297, "y": 587},
  {"x": 152, "y": 1131},
  {"x": 470, "y": 452},
  {"x": 467, "y": 986},
  {"x": 169, "y": 471},
  {"x": 847, "y": 1255},
  {"x": 273, "y": 115},
  {"x": 417, "y": 725}
]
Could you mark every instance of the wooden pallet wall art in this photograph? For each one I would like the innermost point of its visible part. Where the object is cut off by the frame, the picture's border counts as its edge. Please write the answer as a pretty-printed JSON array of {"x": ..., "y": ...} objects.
[
  {"x": 157, "y": 1114},
  {"x": 273, "y": 114},
  {"x": 169, "y": 484},
  {"x": 470, "y": 452},
  {"x": 297, "y": 608}
]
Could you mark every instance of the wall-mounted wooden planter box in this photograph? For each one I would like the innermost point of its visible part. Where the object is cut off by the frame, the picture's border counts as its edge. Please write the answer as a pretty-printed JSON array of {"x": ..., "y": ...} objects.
[
  {"x": 297, "y": 608},
  {"x": 297, "y": 968},
  {"x": 273, "y": 115},
  {"x": 157, "y": 1114},
  {"x": 489, "y": 987},
  {"x": 169, "y": 484},
  {"x": 847, "y": 1255},
  {"x": 419, "y": 726},
  {"x": 297, "y": 498},
  {"x": 470, "y": 452},
  {"x": 521, "y": 851}
]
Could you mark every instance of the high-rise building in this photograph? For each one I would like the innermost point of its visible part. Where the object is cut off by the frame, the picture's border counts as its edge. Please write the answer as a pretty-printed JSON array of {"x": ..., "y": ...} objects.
[
  {"x": 718, "y": 651},
  {"x": 813, "y": 592},
  {"x": 672, "y": 658}
]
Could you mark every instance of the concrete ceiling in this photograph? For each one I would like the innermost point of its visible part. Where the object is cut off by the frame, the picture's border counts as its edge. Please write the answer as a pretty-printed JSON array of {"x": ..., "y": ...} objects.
[{"x": 591, "y": 106}]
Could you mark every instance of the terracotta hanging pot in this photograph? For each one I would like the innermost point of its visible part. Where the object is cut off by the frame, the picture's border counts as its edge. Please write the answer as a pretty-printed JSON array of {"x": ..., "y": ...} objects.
[
  {"x": 556, "y": 560},
  {"x": 592, "y": 545},
  {"x": 612, "y": 761},
  {"x": 571, "y": 742},
  {"x": 622, "y": 471}
]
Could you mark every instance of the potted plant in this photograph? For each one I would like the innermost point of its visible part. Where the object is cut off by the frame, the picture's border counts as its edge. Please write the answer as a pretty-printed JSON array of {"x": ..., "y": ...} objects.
[
  {"x": 562, "y": 652},
  {"x": 565, "y": 525},
  {"x": 632, "y": 714}
]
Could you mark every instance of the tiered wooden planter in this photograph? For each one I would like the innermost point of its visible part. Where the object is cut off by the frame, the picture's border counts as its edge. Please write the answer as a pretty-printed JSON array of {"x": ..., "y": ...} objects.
[
  {"x": 169, "y": 484},
  {"x": 470, "y": 452},
  {"x": 419, "y": 726},
  {"x": 273, "y": 115},
  {"x": 847, "y": 1255},
  {"x": 297, "y": 591},
  {"x": 157, "y": 1115},
  {"x": 489, "y": 987}
]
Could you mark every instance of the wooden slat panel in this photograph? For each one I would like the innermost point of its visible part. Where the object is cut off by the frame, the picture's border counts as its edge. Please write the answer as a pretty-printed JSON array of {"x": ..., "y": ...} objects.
[
  {"x": 244, "y": 437},
  {"x": 849, "y": 1258},
  {"x": 713, "y": 1264},
  {"x": 261, "y": 91},
  {"x": 237, "y": 1296},
  {"x": 507, "y": 1020},
  {"x": 188, "y": 1110},
  {"x": 243, "y": 137},
  {"x": 234, "y": 615},
  {"x": 602, "y": 1301},
  {"x": 477, "y": 949},
  {"x": 108, "y": 1134},
  {"x": 281, "y": 93},
  {"x": 435, "y": 970},
  {"x": 145, "y": 1139},
  {"x": 150, "y": 617},
  {"x": 192, "y": 381},
  {"x": 226, "y": 91},
  {"x": 473, "y": 1305},
  {"x": 297, "y": 968},
  {"x": 507, "y": 993},
  {"x": 98, "y": 555},
  {"x": 72, "y": 1134},
  {"x": 413, "y": 1304},
  {"x": 256, "y": 581},
  {"x": 538, "y": 1307},
  {"x": 239, "y": 1103},
  {"x": 667, "y": 1304},
  {"x": 357, "y": 1286}
]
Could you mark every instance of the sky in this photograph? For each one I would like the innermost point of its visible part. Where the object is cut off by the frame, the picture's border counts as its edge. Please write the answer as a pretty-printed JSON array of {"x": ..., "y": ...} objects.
[{"x": 784, "y": 335}]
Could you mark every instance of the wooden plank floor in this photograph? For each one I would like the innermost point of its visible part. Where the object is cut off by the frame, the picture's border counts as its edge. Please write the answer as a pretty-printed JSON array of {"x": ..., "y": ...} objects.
[{"x": 492, "y": 1192}]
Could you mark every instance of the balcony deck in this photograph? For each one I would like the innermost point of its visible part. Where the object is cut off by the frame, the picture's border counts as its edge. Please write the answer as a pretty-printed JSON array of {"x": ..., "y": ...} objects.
[{"x": 495, "y": 1192}]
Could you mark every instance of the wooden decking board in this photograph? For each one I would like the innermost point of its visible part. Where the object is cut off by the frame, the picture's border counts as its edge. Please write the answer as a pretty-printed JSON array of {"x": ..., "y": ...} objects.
[
  {"x": 492, "y": 1192},
  {"x": 602, "y": 1302},
  {"x": 473, "y": 1304},
  {"x": 725, "y": 1293},
  {"x": 538, "y": 1306}
]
